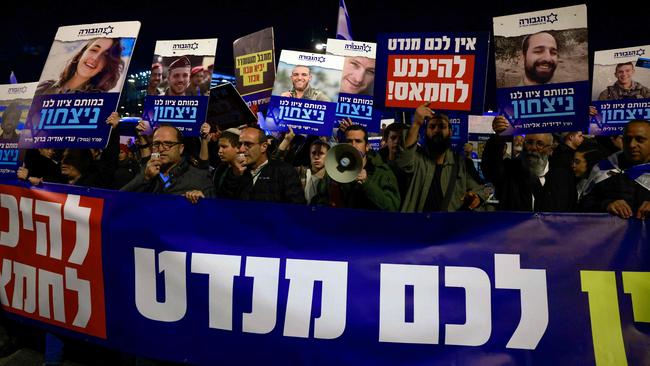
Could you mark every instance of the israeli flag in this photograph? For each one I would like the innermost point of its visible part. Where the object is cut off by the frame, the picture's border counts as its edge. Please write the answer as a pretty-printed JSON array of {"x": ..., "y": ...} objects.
[
  {"x": 606, "y": 168},
  {"x": 343, "y": 26}
]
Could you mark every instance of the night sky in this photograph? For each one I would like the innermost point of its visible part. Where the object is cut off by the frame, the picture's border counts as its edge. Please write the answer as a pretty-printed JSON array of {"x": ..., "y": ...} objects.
[{"x": 28, "y": 29}]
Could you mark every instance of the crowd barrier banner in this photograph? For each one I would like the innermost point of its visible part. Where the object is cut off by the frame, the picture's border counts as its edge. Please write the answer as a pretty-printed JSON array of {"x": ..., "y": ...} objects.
[{"x": 230, "y": 282}]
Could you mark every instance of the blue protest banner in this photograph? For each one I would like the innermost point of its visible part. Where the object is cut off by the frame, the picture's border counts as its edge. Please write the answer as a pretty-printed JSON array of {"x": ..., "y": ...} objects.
[
  {"x": 80, "y": 86},
  {"x": 15, "y": 100},
  {"x": 208, "y": 283},
  {"x": 305, "y": 93},
  {"x": 619, "y": 90},
  {"x": 183, "y": 102},
  {"x": 357, "y": 83},
  {"x": 446, "y": 69},
  {"x": 542, "y": 69}
]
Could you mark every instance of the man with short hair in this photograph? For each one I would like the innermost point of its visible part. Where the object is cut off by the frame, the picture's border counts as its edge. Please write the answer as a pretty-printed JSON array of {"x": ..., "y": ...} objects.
[
  {"x": 540, "y": 54},
  {"x": 530, "y": 182},
  {"x": 300, "y": 78},
  {"x": 440, "y": 179},
  {"x": 10, "y": 118},
  {"x": 566, "y": 149},
  {"x": 393, "y": 138},
  {"x": 624, "y": 87},
  {"x": 166, "y": 171},
  {"x": 155, "y": 79},
  {"x": 261, "y": 178},
  {"x": 375, "y": 187},
  {"x": 623, "y": 180},
  {"x": 178, "y": 76},
  {"x": 358, "y": 75}
]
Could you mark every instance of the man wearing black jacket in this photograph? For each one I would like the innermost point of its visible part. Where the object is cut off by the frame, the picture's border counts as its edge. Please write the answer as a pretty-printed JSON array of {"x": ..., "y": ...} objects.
[
  {"x": 530, "y": 182},
  {"x": 259, "y": 178}
]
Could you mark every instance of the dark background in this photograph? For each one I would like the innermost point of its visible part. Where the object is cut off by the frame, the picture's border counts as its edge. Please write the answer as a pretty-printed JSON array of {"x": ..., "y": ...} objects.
[{"x": 28, "y": 28}]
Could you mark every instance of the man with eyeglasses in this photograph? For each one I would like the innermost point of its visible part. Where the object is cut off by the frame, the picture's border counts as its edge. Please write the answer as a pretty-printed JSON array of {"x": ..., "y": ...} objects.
[
  {"x": 623, "y": 179},
  {"x": 440, "y": 179},
  {"x": 258, "y": 178},
  {"x": 166, "y": 171},
  {"x": 530, "y": 182}
]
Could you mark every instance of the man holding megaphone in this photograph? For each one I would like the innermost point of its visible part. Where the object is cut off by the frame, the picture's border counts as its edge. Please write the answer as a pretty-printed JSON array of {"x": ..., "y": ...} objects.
[{"x": 356, "y": 177}]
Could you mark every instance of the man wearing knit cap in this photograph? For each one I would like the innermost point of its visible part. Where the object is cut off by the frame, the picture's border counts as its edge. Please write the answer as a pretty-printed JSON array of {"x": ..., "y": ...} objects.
[
  {"x": 196, "y": 78},
  {"x": 179, "y": 76}
]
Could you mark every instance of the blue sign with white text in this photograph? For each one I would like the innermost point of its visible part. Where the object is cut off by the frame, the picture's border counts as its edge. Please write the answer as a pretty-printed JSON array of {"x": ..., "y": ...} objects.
[
  {"x": 359, "y": 109},
  {"x": 311, "y": 117},
  {"x": 187, "y": 113},
  {"x": 546, "y": 108},
  {"x": 209, "y": 285},
  {"x": 68, "y": 120}
]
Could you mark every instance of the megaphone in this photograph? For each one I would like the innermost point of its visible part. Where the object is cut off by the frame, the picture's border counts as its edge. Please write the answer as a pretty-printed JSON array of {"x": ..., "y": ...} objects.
[{"x": 343, "y": 163}]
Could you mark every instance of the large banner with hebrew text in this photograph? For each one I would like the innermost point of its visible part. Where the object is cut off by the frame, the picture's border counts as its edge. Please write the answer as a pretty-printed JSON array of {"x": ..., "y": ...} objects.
[{"x": 215, "y": 283}]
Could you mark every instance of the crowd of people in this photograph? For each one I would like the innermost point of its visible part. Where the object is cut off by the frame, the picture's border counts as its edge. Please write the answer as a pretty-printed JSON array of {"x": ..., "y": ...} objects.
[{"x": 416, "y": 169}]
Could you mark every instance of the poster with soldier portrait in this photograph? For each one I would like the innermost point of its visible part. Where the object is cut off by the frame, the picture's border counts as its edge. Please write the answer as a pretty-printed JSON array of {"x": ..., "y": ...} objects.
[
  {"x": 80, "y": 86},
  {"x": 255, "y": 68},
  {"x": 179, "y": 85},
  {"x": 357, "y": 83},
  {"x": 542, "y": 69},
  {"x": 15, "y": 100},
  {"x": 620, "y": 89},
  {"x": 305, "y": 93}
]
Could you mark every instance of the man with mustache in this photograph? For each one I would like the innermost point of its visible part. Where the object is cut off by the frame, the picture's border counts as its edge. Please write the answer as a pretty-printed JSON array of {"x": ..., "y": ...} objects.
[
  {"x": 440, "y": 179},
  {"x": 540, "y": 53},
  {"x": 623, "y": 179},
  {"x": 530, "y": 182}
]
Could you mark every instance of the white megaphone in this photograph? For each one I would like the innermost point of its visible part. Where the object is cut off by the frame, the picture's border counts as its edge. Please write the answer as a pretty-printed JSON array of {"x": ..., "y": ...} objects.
[{"x": 343, "y": 163}]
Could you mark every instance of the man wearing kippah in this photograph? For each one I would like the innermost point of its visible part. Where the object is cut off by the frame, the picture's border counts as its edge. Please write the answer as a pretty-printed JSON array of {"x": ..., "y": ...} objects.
[{"x": 179, "y": 76}]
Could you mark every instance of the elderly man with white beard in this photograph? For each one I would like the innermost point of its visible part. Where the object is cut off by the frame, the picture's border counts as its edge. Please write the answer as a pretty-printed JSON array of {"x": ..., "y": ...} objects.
[{"x": 530, "y": 182}]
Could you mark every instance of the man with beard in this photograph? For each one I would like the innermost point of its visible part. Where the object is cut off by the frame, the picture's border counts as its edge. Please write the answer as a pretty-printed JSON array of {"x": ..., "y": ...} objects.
[
  {"x": 530, "y": 182},
  {"x": 166, "y": 171},
  {"x": 10, "y": 118},
  {"x": 540, "y": 54},
  {"x": 178, "y": 76},
  {"x": 440, "y": 179},
  {"x": 155, "y": 79},
  {"x": 300, "y": 78}
]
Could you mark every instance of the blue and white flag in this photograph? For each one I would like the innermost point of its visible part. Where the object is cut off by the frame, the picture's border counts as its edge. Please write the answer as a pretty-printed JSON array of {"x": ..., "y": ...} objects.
[
  {"x": 606, "y": 168},
  {"x": 343, "y": 29}
]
